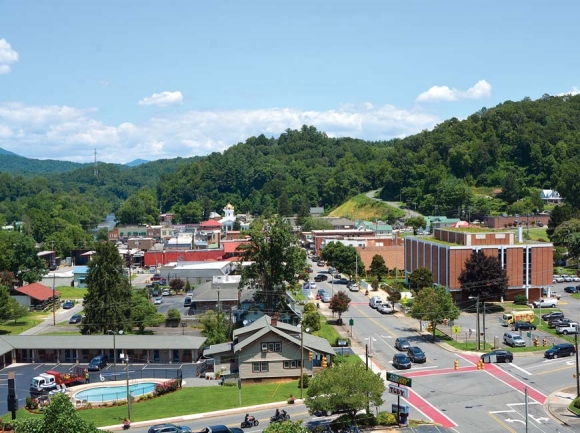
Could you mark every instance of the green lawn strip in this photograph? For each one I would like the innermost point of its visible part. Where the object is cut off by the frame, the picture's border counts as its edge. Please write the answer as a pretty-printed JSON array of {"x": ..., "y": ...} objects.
[
  {"x": 328, "y": 332},
  {"x": 195, "y": 400},
  {"x": 68, "y": 292},
  {"x": 12, "y": 327},
  {"x": 573, "y": 407}
]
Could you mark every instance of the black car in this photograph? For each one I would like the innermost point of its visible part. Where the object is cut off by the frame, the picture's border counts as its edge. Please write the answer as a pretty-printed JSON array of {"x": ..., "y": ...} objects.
[
  {"x": 415, "y": 354},
  {"x": 402, "y": 343},
  {"x": 76, "y": 318},
  {"x": 68, "y": 305},
  {"x": 558, "y": 322},
  {"x": 553, "y": 315},
  {"x": 570, "y": 289},
  {"x": 401, "y": 361},
  {"x": 500, "y": 356},
  {"x": 524, "y": 326},
  {"x": 223, "y": 429},
  {"x": 321, "y": 277},
  {"x": 559, "y": 350},
  {"x": 98, "y": 362},
  {"x": 168, "y": 428}
]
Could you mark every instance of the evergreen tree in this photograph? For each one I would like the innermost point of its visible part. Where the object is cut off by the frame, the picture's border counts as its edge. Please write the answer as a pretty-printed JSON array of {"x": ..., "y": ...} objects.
[
  {"x": 484, "y": 277},
  {"x": 378, "y": 267},
  {"x": 108, "y": 298}
]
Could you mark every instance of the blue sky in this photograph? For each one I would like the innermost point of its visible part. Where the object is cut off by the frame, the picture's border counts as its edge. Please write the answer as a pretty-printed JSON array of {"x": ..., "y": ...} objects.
[{"x": 161, "y": 79}]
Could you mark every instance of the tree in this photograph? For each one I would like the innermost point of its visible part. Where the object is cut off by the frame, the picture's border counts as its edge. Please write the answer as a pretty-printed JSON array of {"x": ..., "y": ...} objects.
[
  {"x": 303, "y": 212},
  {"x": 433, "y": 304},
  {"x": 275, "y": 260},
  {"x": 143, "y": 312},
  {"x": 349, "y": 387},
  {"x": 9, "y": 307},
  {"x": 378, "y": 267},
  {"x": 311, "y": 321},
  {"x": 416, "y": 222},
  {"x": 420, "y": 278},
  {"x": 215, "y": 327},
  {"x": 18, "y": 254},
  {"x": 484, "y": 277},
  {"x": 176, "y": 284},
  {"x": 342, "y": 257},
  {"x": 286, "y": 427},
  {"x": 60, "y": 416},
  {"x": 108, "y": 298},
  {"x": 339, "y": 304}
]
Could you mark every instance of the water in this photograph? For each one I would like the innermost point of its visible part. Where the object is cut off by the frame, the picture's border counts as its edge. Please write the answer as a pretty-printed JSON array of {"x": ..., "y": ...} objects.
[
  {"x": 111, "y": 393},
  {"x": 108, "y": 223}
]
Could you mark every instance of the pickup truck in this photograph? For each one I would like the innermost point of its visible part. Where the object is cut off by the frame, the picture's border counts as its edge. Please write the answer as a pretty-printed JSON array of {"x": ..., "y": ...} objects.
[
  {"x": 545, "y": 303},
  {"x": 570, "y": 328}
]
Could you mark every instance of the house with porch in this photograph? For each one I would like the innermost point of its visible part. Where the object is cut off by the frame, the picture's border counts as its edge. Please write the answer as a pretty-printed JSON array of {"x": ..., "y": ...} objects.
[{"x": 268, "y": 349}]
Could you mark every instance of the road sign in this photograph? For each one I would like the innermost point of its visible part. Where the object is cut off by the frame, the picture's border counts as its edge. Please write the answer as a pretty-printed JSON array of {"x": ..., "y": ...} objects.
[
  {"x": 392, "y": 377},
  {"x": 397, "y": 390},
  {"x": 350, "y": 322},
  {"x": 456, "y": 329}
]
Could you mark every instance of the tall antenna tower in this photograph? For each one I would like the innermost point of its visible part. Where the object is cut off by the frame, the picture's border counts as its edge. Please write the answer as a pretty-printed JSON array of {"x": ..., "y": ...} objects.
[{"x": 96, "y": 165}]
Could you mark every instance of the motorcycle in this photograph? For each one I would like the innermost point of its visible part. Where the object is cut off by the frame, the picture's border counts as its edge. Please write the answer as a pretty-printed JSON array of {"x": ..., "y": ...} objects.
[
  {"x": 280, "y": 418},
  {"x": 250, "y": 423}
]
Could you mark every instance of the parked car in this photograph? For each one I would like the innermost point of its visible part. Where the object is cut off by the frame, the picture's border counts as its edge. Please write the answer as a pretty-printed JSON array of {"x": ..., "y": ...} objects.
[
  {"x": 165, "y": 293},
  {"x": 158, "y": 301},
  {"x": 402, "y": 343},
  {"x": 53, "y": 267},
  {"x": 570, "y": 289},
  {"x": 500, "y": 355},
  {"x": 98, "y": 362},
  {"x": 569, "y": 328},
  {"x": 318, "y": 278},
  {"x": 513, "y": 339},
  {"x": 558, "y": 322},
  {"x": 326, "y": 297},
  {"x": 524, "y": 326},
  {"x": 343, "y": 281},
  {"x": 312, "y": 286},
  {"x": 68, "y": 305},
  {"x": 321, "y": 264},
  {"x": 576, "y": 278},
  {"x": 416, "y": 355},
  {"x": 401, "y": 361},
  {"x": 76, "y": 318},
  {"x": 353, "y": 287},
  {"x": 187, "y": 301},
  {"x": 559, "y": 350},
  {"x": 168, "y": 428},
  {"x": 546, "y": 303},
  {"x": 385, "y": 308},
  {"x": 553, "y": 315}
]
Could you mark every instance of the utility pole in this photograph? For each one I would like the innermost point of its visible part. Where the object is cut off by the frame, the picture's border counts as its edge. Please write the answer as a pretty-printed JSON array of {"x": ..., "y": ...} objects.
[{"x": 53, "y": 299}]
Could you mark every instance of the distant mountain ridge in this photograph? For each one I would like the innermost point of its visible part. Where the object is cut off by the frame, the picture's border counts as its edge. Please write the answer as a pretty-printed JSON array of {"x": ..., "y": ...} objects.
[
  {"x": 16, "y": 164},
  {"x": 136, "y": 162},
  {"x": 7, "y": 152}
]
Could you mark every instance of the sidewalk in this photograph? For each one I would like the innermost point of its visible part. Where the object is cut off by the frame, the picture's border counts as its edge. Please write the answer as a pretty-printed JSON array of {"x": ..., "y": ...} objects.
[{"x": 557, "y": 406}]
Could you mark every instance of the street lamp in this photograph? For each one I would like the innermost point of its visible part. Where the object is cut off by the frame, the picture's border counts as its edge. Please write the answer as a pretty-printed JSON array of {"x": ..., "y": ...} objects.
[
  {"x": 125, "y": 358},
  {"x": 477, "y": 326},
  {"x": 114, "y": 350}
]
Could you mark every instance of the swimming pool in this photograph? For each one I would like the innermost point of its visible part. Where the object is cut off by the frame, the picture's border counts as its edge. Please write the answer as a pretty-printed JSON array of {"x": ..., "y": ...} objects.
[{"x": 101, "y": 394}]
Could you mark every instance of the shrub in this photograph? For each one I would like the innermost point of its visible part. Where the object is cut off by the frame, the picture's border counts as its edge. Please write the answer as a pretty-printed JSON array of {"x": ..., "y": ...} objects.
[
  {"x": 386, "y": 418},
  {"x": 305, "y": 379},
  {"x": 520, "y": 299},
  {"x": 165, "y": 387}
]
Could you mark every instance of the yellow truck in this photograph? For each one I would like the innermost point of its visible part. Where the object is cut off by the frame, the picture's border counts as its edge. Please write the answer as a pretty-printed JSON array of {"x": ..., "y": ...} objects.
[{"x": 517, "y": 316}]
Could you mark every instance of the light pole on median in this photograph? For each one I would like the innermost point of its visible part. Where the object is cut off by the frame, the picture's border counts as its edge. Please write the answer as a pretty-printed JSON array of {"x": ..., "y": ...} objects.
[{"x": 477, "y": 330}]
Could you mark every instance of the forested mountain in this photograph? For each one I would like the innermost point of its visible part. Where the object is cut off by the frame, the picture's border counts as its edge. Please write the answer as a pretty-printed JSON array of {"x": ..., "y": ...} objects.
[
  {"x": 12, "y": 163},
  {"x": 518, "y": 147}
]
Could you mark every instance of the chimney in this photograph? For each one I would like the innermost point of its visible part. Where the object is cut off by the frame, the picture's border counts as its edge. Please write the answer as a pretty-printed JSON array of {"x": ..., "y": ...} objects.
[{"x": 274, "y": 320}]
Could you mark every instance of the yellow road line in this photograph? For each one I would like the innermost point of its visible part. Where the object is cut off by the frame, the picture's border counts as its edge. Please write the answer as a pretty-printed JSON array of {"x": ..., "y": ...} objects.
[{"x": 500, "y": 422}]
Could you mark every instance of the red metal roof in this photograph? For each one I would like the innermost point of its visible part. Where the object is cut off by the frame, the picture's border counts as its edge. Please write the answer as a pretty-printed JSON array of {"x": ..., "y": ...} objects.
[
  {"x": 211, "y": 223},
  {"x": 37, "y": 291}
]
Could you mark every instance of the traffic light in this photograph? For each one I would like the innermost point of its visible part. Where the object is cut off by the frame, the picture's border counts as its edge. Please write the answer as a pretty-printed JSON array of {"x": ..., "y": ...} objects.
[
  {"x": 430, "y": 327},
  {"x": 456, "y": 364},
  {"x": 324, "y": 364},
  {"x": 310, "y": 355},
  {"x": 536, "y": 341},
  {"x": 545, "y": 341}
]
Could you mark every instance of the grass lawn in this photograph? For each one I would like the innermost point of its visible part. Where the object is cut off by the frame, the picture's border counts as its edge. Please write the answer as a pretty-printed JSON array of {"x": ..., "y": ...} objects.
[
  {"x": 14, "y": 328},
  {"x": 328, "y": 332},
  {"x": 190, "y": 401},
  {"x": 68, "y": 292}
]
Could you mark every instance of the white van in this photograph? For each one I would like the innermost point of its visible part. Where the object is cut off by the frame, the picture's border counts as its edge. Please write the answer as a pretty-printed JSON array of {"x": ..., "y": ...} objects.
[{"x": 375, "y": 301}]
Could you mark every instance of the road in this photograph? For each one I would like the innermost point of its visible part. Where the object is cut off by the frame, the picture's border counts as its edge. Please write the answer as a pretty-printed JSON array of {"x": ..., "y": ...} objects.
[
  {"x": 468, "y": 398},
  {"x": 410, "y": 213}
]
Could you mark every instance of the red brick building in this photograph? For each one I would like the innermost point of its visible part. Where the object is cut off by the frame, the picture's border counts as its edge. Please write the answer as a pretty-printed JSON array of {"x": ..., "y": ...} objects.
[{"x": 529, "y": 265}]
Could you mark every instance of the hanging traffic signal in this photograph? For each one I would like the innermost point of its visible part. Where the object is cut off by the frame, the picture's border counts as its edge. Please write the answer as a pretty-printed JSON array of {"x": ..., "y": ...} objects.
[
  {"x": 310, "y": 355},
  {"x": 324, "y": 364},
  {"x": 430, "y": 327}
]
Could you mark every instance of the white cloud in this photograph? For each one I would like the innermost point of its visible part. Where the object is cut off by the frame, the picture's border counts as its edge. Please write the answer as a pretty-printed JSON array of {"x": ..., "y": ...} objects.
[
  {"x": 575, "y": 91},
  {"x": 481, "y": 89},
  {"x": 163, "y": 99},
  {"x": 69, "y": 133},
  {"x": 7, "y": 56}
]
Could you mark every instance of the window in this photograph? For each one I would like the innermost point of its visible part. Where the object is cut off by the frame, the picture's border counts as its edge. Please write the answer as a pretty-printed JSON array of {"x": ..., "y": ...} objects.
[
  {"x": 258, "y": 367},
  {"x": 292, "y": 364},
  {"x": 271, "y": 347}
]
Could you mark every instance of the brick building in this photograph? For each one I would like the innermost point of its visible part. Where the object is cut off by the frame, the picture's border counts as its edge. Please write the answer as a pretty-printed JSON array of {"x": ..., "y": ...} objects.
[{"x": 529, "y": 265}]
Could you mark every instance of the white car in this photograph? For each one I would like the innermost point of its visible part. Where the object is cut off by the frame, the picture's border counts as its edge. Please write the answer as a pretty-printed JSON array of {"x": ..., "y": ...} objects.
[
  {"x": 312, "y": 285},
  {"x": 158, "y": 301},
  {"x": 568, "y": 278},
  {"x": 353, "y": 287},
  {"x": 385, "y": 308},
  {"x": 165, "y": 293}
]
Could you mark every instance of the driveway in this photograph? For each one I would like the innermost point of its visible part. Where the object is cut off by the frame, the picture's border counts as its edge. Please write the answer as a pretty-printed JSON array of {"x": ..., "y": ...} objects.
[{"x": 396, "y": 204}]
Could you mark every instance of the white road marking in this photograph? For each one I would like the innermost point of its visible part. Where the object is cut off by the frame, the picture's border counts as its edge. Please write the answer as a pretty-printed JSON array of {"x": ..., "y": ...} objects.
[{"x": 521, "y": 369}]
